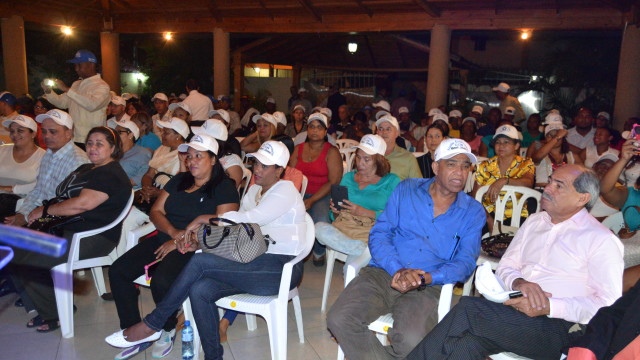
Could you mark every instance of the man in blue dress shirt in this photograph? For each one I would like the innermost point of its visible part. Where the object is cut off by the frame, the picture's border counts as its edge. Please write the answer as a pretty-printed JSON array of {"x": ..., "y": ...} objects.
[{"x": 428, "y": 234}]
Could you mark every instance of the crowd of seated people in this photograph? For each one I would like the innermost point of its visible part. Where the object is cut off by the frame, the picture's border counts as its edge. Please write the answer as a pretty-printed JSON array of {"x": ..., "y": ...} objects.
[{"x": 186, "y": 158}]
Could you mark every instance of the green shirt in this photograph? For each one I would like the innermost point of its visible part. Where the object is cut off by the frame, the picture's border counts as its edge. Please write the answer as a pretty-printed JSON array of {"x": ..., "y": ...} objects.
[
  {"x": 374, "y": 196},
  {"x": 403, "y": 163}
]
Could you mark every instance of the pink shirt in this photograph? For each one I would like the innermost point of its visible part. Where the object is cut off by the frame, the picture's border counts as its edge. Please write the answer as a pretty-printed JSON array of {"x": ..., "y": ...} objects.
[{"x": 578, "y": 261}]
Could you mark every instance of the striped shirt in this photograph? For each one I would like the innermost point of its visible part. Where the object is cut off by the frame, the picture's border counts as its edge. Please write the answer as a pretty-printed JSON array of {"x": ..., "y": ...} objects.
[{"x": 54, "y": 168}]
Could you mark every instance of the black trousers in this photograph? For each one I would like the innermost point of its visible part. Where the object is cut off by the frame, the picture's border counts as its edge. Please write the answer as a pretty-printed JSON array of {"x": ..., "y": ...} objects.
[
  {"x": 31, "y": 271},
  {"x": 130, "y": 266},
  {"x": 476, "y": 328}
]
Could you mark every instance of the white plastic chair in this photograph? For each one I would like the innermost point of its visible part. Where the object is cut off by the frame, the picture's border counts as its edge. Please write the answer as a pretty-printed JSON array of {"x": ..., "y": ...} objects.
[
  {"x": 510, "y": 194},
  {"x": 246, "y": 179},
  {"x": 614, "y": 222},
  {"x": 523, "y": 151},
  {"x": 303, "y": 188},
  {"x": 346, "y": 144},
  {"x": 382, "y": 325},
  {"x": 63, "y": 274},
  {"x": 272, "y": 308},
  {"x": 348, "y": 155},
  {"x": 332, "y": 256}
]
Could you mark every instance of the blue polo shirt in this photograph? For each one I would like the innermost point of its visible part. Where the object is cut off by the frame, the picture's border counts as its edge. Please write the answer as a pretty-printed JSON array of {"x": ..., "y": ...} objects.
[{"x": 407, "y": 236}]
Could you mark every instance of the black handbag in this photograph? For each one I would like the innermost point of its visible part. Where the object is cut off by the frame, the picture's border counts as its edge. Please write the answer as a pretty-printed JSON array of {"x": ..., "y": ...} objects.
[
  {"x": 240, "y": 242},
  {"x": 52, "y": 224},
  {"x": 497, "y": 245}
]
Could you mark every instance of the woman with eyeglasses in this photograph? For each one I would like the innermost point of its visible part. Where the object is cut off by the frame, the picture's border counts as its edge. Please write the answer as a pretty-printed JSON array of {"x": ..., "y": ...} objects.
[{"x": 135, "y": 158}]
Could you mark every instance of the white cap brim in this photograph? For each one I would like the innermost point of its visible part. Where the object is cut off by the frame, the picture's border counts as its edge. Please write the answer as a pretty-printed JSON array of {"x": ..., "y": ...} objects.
[
  {"x": 472, "y": 158},
  {"x": 33, "y": 127},
  {"x": 367, "y": 149}
]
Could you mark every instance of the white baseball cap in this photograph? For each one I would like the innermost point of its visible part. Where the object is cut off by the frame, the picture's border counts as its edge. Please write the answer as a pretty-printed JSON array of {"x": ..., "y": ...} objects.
[
  {"x": 224, "y": 114},
  {"x": 502, "y": 87},
  {"x": 441, "y": 117},
  {"x": 552, "y": 117},
  {"x": 382, "y": 113},
  {"x": 510, "y": 110},
  {"x": 477, "y": 109},
  {"x": 22, "y": 120},
  {"x": 320, "y": 117},
  {"x": 403, "y": 110},
  {"x": 272, "y": 153},
  {"x": 125, "y": 123},
  {"x": 181, "y": 105},
  {"x": 382, "y": 104},
  {"x": 59, "y": 116},
  {"x": 182, "y": 96},
  {"x": 327, "y": 112},
  {"x": 434, "y": 111},
  {"x": 179, "y": 125},
  {"x": 271, "y": 100},
  {"x": 129, "y": 96},
  {"x": 470, "y": 118},
  {"x": 281, "y": 118},
  {"x": 302, "y": 90},
  {"x": 455, "y": 113},
  {"x": 212, "y": 127},
  {"x": 299, "y": 107},
  {"x": 159, "y": 96},
  {"x": 449, "y": 148},
  {"x": 118, "y": 100},
  {"x": 390, "y": 119},
  {"x": 372, "y": 144},
  {"x": 604, "y": 114},
  {"x": 200, "y": 142},
  {"x": 508, "y": 131},
  {"x": 266, "y": 117},
  {"x": 553, "y": 126}
]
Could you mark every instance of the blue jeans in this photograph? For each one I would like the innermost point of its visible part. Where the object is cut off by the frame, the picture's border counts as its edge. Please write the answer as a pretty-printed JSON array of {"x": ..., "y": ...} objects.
[
  {"x": 330, "y": 236},
  {"x": 208, "y": 278},
  {"x": 319, "y": 211}
]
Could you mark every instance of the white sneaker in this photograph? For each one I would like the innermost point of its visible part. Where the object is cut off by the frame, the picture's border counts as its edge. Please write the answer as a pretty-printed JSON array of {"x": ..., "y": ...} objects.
[{"x": 164, "y": 345}]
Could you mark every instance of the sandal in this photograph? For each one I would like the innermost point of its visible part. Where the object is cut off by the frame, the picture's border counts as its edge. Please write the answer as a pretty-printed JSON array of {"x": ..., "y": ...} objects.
[
  {"x": 52, "y": 325},
  {"x": 35, "y": 322}
]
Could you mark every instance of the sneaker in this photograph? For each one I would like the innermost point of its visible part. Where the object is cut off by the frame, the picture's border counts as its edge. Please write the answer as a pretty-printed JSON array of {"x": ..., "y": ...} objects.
[
  {"x": 130, "y": 352},
  {"x": 163, "y": 346}
]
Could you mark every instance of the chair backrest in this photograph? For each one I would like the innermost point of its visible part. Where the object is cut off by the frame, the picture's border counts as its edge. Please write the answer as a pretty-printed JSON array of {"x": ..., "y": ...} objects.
[
  {"x": 614, "y": 222},
  {"x": 287, "y": 269},
  {"x": 346, "y": 143},
  {"x": 348, "y": 155},
  {"x": 523, "y": 151},
  {"x": 518, "y": 195},
  {"x": 305, "y": 182},
  {"x": 246, "y": 179},
  {"x": 74, "y": 250}
]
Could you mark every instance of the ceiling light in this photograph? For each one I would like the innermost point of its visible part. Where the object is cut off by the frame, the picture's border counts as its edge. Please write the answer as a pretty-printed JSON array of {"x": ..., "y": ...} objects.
[
  {"x": 525, "y": 34},
  {"x": 168, "y": 36},
  {"x": 353, "y": 47},
  {"x": 66, "y": 30}
]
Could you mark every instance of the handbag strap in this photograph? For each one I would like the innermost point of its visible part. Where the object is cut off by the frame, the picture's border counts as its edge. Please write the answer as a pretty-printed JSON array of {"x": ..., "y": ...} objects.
[{"x": 214, "y": 219}]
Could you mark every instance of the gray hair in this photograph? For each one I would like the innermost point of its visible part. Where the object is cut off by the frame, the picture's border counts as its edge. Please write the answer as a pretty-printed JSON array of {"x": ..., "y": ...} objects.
[{"x": 587, "y": 183}]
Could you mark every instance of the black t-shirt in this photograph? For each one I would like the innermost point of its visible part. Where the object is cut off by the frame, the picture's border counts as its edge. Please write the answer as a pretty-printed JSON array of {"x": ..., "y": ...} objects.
[
  {"x": 424, "y": 162},
  {"x": 234, "y": 145},
  {"x": 182, "y": 207},
  {"x": 109, "y": 179}
]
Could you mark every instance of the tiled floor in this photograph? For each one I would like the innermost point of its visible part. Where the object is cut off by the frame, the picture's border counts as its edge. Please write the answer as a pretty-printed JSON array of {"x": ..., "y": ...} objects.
[{"x": 97, "y": 318}]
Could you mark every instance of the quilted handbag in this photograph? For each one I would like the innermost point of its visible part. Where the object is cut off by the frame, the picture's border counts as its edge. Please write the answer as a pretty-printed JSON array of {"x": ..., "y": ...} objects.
[{"x": 240, "y": 242}]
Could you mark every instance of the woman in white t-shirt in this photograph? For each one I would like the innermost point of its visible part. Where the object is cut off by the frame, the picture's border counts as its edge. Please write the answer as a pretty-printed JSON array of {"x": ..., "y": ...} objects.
[
  {"x": 20, "y": 162},
  {"x": 552, "y": 153},
  {"x": 278, "y": 208}
]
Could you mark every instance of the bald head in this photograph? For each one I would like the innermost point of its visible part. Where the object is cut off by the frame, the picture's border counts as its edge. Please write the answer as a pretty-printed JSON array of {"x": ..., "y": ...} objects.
[{"x": 571, "y": 188}]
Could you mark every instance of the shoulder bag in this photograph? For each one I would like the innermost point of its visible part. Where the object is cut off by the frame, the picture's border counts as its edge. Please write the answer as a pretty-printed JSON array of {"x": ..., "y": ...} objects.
[
  {"x": 240, "y": 242},
  {"x": 52, "y": 224}
]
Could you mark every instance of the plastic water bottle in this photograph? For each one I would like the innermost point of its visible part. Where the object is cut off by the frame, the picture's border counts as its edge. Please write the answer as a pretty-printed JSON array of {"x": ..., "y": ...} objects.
[{"x": 187, "y": 341}]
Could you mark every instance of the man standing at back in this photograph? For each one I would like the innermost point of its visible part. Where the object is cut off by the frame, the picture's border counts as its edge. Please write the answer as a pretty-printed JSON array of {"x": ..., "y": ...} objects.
[
  {"x": 502, "y": 93},
  {"x": 428, "y": 235},
  {"x": 565, "y": 263},
  {"x": 86, "y": 99},
  {"x": 199, "y": 104},
  {"x": 61, "y": 159}
]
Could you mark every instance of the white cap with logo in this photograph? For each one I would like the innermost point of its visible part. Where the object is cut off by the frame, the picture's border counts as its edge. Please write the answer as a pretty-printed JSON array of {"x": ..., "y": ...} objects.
[
  {"x": 224, "y": 114},
  {"x": 372, "y": 144},
  {"x": 502, "y": 87},
  {"x": 382, "y": 104},
  {"x": 200, "y": 142},
  {"x": 59, "y": 116},
  {"x": 441, "y": 117},
  {"x": 22, "y": 120},
  {"x": 272, "y": 153},
  {"x": 159, "y": 96},
  {"x": 434, "y": 111},
  {"x": 390, "y": 119},
  {"x": 125, "y": 123},
  {"x": 180, "y": 105},
  {"x": 178, "y": 125},
  {"x": 508, "y": 131},
  {"x": 266, "y": 117},
  {"x": 449, "y": 148},
  {"x": 212, "y": 127},
  {"x": 455, "y": 113},
  {"x": 281, "y": 118},
  {"x": 320, "y": 117}
]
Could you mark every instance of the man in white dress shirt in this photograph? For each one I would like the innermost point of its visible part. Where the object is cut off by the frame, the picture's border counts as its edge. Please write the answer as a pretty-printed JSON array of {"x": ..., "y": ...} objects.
[{"x": 199, "y": 104}]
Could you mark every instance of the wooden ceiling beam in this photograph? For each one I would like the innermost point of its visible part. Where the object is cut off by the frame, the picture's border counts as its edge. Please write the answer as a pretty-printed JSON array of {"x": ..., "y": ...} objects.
[
  {"x": 428, "y": 8},
  {"x": 264, "y": 7},
  {"x": 251, "y": 45},
  {"x": 214, "y": 10},
  {"x": 310, "y": 9},
  {"x": 617, "y": 4},
  {"x": 364, "y": 7}
]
